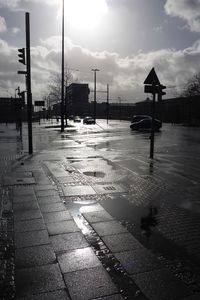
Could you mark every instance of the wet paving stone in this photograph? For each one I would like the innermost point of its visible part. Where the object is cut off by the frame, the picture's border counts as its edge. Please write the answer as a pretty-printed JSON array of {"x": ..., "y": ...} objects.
[
  {"x": 78, "y": 190},
  {"x": 52, "y": 207},
  {"x": 24, "y": 198},
  {"x": 58, "y": 216},
  {"x": 27, "y": 215},
  {"x": 97, "y": 216},
  {"x": 96, "y": 279},
  {"x": 108, "y": 189},
  {"x": 68, "y": 241},
  {"x": 44, "y": 187},
  {"x": 138, "y": 260},
  {"x": 160, "y": 284},
  {"x": 59, "y": 294},
  {"x": 48, "y": 199},
  {"x": 40, "y": 279},
  {"x": 78, "y": 260},
  {"x": 112, "y": 297},
  {"x": 19, "y": 191},
  {"x": 9, "y": 181},
  {"x": 121, "y": 242},
  {"x": 66, "y": 179},
  {"x": 34, "y": 256},
  {"x": 43, "y": 193},
  {"x": 62, "y": 227},
  {"x": 29, "y": 225},
  {"x": 108, "y": 228},
  {"x": 31, "y": 238},
  {"x": 91, "y": 208},
  {"x": 193, "y": 297},
  {"x": 27, "y": 205}
]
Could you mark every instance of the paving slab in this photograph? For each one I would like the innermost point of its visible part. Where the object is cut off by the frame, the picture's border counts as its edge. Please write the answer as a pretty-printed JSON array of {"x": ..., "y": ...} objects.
[
  {"x": 160, "y": 284},
  {"x": 90, "y": 283},
  {"x": 193, "y": 297},
  {"x": 108, "y": 228},
  {"x": 138, "y": 260},
  {"x": 18, "y": 181},
  {"x": 24, "y": 206},
  {"x": 108, "y": 189},
  {"x": 68, "y": 241},
  {"x": 78, "y": 190},
  {"x": 49, "y": 199},
  {"x": 48, "y": 192},
  {"x": 29, "y": 225},
  {"x": 57, "y": 216},
  {"x": 52, "y": 207},
  {"x": 66, "y": 179},
  {"x": 97, "y": 216},
  {"x": 59, "y": 294},
  {"x": 121, "y": 242},
  {"x": 40, "y": 279},
  {"x": 43, "y": 187},
  {"x": 62, "y": 227},
  {"x": 27, "y": 215},
  {"x": 78, "y": 260},
  {"x": 19, "y": 191},
  {"x": 34, "y": 256},
  {"x": 31, "y": 238},
  {"x": 24, "y": 198},
  {"x": 91, "y": 208},
  {"x": 112, "y": 297}
]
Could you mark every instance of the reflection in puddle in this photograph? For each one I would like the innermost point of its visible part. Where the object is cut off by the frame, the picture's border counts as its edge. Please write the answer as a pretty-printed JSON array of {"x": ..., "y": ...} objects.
[{"x": 96, "y": 174}]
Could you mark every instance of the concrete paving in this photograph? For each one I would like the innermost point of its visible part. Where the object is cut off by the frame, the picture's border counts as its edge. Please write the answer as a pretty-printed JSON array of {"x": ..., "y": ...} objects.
[{"x": 60, "y": 253}]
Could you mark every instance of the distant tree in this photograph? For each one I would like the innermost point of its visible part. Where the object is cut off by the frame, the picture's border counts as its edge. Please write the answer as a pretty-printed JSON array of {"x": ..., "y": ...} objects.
[
  {"x": 192, "y": 87},
  {"x": 54, "y": 87}
]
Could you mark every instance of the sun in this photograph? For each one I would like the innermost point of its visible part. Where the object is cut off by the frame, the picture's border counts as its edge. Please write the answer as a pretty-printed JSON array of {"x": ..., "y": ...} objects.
[{"x": 85, "y": 14}]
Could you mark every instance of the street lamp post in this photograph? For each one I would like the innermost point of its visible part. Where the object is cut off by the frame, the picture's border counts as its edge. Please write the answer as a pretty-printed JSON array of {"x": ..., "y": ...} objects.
[
  {"x": 95, "y": 100},
  {"x": 62, "y": 106}
]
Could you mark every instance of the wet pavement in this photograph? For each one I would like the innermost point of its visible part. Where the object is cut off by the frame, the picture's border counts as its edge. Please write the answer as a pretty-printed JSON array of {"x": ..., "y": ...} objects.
[{"x": 91, "y": 209}]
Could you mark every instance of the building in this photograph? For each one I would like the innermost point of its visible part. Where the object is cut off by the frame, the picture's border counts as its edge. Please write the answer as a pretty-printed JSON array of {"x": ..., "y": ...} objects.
[{"x": 77, "y": 99}]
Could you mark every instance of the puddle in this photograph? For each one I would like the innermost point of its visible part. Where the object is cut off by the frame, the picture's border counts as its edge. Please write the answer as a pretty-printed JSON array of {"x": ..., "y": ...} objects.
[{"x": 96, "y": 174}]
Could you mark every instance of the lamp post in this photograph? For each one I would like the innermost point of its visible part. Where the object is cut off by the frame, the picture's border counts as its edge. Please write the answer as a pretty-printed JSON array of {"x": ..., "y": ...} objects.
[
  {"x": 62, "y": 105},
  {"x": 95, "y": 100}
]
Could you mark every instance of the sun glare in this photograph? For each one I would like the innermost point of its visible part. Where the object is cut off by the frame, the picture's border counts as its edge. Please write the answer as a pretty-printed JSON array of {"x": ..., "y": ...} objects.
[{"x": 85, "y": 14}]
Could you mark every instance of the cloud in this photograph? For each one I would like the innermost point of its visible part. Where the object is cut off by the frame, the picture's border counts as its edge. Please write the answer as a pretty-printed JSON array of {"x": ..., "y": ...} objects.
[
  {"x": 125, "y": 75},
  {"x": 3, "y": 26},
  {"x": 188, "y": 10}
]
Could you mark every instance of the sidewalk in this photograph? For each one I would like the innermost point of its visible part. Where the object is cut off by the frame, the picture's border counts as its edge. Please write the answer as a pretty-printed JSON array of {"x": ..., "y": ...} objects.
[{"x": 60, "y": 252}]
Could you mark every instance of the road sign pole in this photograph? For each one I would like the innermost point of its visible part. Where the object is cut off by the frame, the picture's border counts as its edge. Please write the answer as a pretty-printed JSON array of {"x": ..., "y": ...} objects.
[
  {"x": 152, "y": 125},
  {"x": 107, "y": 103},
  {"x": 28, "y": 83}
]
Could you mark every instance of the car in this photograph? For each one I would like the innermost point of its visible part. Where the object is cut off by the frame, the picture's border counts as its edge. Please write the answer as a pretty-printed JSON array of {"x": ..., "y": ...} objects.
[
  {"x": 77, "y": 119},
  {"x": 140, "y": 122},
  {"x": 71, "y": 117},
  {"x": 88, "y": 120}
]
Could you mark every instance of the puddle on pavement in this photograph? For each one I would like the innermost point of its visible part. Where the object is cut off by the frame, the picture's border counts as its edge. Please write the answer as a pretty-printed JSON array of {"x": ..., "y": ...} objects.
[
  {"x": 120, "y": 277},
  {"x": 96, "y": 174}
]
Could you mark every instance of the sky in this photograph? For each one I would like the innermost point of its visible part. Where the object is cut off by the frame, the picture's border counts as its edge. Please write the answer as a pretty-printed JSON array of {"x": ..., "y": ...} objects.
[{"x": 124, "y": 39}]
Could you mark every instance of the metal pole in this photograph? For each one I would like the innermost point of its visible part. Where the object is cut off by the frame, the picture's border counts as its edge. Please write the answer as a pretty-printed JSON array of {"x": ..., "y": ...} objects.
[
  {"x": 107, "y": 103},
  {"x": 62, "y": 79},
  {"x": 95, "y": 100},
  {"x": 152, "y": 125},
  {"x": 28, "y": 85}
]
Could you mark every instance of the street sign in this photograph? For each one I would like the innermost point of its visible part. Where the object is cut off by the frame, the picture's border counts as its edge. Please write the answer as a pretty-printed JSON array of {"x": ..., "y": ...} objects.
[
  {"x": 152, "y": 78},
  {"x": 39, "y": 103}
]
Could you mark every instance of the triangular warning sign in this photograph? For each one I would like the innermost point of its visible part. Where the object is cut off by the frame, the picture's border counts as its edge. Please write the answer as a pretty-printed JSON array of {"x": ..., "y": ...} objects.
[{"x": 152, "y": 78}]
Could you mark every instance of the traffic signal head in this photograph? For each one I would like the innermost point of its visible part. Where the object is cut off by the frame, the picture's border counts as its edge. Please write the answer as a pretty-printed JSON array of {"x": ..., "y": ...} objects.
[
  {"x": 21, "y": 56},
  {"x": 162, "y": 87}
]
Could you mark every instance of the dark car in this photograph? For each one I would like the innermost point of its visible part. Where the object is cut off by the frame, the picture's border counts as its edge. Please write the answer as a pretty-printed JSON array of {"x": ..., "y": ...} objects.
[
  {"x": 88, "y": 120},
  {"x": 71, "y": 117},
  {"x": 77, "y": 119},
  {"x": 141, "y": 122}
]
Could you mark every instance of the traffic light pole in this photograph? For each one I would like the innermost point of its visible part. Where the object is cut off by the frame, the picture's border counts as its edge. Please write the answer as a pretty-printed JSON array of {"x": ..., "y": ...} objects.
[
  {"x": 152, "y": 125},
  {"x": 28, "y": 85}
]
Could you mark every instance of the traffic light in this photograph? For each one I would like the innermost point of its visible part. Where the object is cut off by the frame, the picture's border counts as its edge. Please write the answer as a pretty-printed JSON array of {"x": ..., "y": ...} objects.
[
  {"x": 21, "y": 56},
  {"x": 160, "y": 92},
  {"x": 21, "y": 100}
]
